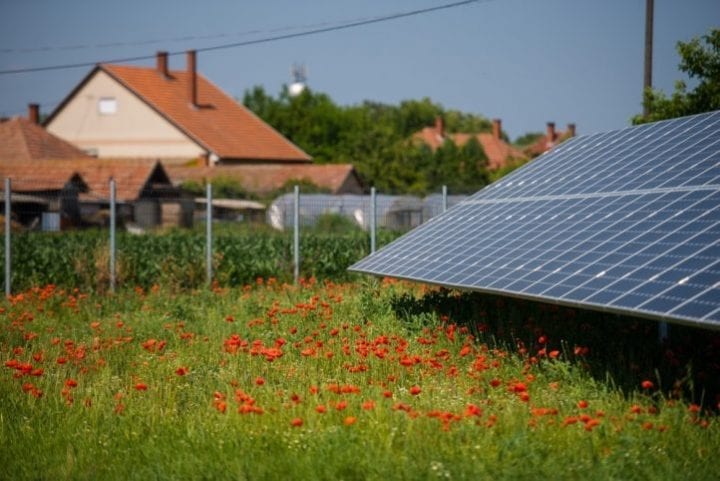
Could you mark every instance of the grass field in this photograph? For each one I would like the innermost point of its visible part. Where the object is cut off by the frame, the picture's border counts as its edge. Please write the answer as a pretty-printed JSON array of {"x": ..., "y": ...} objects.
[{"x": 351, "y": 381}]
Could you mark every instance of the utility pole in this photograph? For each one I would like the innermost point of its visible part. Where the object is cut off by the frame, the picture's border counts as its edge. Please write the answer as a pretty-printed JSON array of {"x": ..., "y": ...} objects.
[{"x": 649, "y": 7}]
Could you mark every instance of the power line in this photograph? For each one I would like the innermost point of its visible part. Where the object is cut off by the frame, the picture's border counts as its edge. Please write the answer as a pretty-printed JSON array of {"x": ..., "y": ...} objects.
[
  {"x": 352, "y": 24},
  {"x": 184, "y": 38}
]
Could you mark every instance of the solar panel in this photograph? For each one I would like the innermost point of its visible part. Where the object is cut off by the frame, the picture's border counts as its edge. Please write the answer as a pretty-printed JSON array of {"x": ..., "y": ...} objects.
[{"x": 625, "y": 221}]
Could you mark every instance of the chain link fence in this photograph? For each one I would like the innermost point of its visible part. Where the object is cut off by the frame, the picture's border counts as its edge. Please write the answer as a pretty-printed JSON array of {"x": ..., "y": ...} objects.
[{"x": 117, "y": 233}]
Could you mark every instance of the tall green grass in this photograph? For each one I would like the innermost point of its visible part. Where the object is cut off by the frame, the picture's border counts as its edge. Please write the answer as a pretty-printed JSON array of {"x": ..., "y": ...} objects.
[{"x": 228, "y": 384}]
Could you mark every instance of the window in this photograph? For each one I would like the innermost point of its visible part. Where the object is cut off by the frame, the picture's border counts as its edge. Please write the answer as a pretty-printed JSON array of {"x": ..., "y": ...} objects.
[{"x": 107, "y": 105}]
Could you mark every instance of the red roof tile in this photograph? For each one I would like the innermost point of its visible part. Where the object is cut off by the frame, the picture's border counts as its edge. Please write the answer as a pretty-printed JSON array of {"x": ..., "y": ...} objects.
[
  {"x": 219, "y": 123},
  {"x": 21, "y": 139},
  {"x": 39, "y": 176},
  {"x": 497, "y": 150},
  {"x": 264, "y": 178},
  {"x": 545, "y": 143},
  {"x": 131, "y": 176}
]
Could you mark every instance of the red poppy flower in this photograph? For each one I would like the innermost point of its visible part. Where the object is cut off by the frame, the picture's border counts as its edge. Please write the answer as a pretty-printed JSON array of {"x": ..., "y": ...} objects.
[
  {"x": 181, "y": 371},
  {"x": 646, "y": 384},
  {"x": 582, "y": 404},
  {"x": 296, "y": 422},
  {"x": 141, "y": 386},
  {"x": 415, "y": 390}
]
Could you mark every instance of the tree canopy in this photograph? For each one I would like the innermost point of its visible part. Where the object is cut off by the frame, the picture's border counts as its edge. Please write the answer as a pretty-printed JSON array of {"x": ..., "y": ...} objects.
[
  {"x": 700, "y": 60},
  {"x": 377, "y": 139}
]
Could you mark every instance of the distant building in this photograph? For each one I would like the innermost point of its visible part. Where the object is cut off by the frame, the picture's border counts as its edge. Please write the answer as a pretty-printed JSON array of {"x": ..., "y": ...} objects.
[
  {"x": 498, "y": 152},
  {"x": 183, "y": 120},
  {"x": 551, "y": 138},
  {"x": 75, "y": 186},
  {"x": 23, "y": 140},
  {"x": 171, "y": 115},
  {"x": 261, "y": 179}
]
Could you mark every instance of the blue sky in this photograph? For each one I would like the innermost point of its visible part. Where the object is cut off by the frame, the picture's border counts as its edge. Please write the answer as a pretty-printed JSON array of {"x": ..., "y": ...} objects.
[{"x": 524, "y": 61}]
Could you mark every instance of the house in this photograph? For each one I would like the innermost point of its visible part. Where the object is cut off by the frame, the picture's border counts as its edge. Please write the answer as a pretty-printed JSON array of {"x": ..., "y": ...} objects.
[
  {"x": 41, "y": 164},
  {"x": 263, "y": 179},
  {"x": 144, "y": 194},
  {"x": 498, "y": 152},
  {"x": 172, "y": 115},
  {"x": 24, "y": 139},
  {"x": 551, "y": 138},
  {"x": 79, "y": 190},
  {"x": 43, "y": 195}
]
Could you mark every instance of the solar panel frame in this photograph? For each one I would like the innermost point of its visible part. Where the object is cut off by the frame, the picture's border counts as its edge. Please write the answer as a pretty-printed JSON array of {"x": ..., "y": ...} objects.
[{"x": 625, "y": 221}]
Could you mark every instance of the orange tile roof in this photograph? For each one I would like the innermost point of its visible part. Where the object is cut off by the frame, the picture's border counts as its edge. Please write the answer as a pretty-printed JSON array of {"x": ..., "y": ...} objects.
[
  {"x": 430, "y": 136},
  {"x": 131, "y": 176},
  {"x": 497, "y": 150},
  {"x": 544, "y": 143},
  {"x": 220, "y": 124},
  {"x": 264, "y": 178},
  {"x": 21, "y": 139},
  {"x": 38, "y": 176}
]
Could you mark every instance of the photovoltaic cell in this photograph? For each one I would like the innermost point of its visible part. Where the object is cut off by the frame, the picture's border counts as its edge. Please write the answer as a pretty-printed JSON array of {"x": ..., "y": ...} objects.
[{"x": 625, "y": 221}]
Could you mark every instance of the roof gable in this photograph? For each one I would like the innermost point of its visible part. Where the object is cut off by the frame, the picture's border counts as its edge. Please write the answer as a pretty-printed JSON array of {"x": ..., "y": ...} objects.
[
  {"x": 23, "y": 140},
  {"x": 132, "y": 176},
  {"x": 218, "y": 123},
  {"x": 42, "y": 176}
]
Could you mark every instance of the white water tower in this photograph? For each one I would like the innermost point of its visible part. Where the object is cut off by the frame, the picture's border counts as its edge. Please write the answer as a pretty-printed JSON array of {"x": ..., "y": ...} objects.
[{"x": 299, "y": 75}]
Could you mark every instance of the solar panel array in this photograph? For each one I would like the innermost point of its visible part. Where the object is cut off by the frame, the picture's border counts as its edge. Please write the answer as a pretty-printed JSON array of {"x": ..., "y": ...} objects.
[{"x": 626, "y": 221}]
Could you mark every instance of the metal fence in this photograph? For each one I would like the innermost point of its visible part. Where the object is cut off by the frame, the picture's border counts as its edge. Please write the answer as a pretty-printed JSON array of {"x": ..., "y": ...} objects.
[{"x": 122, "y": 207}]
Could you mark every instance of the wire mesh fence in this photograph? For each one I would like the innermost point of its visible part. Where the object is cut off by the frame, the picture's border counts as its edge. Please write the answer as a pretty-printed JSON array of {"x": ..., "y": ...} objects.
[{"x": 119, "y": 233}]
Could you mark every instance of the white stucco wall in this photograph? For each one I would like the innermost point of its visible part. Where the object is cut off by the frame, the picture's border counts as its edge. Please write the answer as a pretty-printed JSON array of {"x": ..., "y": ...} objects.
[{"x": 133, "y": 130}]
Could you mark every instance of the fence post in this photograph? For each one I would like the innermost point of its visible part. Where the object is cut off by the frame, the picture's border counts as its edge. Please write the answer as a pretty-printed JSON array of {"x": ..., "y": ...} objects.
[
  {"x": 296, "y": 234},
  {"x": 8, "y": 228},
  {"x": 208, "y": 234},
  {"x": 444, "y": 198},
  {"x": 373, "y": 219},
  {"x": 112, "y": 234}
]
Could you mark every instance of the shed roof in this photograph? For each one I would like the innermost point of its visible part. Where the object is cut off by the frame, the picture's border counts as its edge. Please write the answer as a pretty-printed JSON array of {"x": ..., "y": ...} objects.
[{"x": 265, "y": 178}]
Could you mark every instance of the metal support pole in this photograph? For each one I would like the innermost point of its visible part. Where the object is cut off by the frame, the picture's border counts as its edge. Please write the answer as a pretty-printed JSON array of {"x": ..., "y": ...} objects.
[
  {"x": 112, "y": 234},
  {"x": 444, "y": 198},
  {"x": 373, "y": 219},
  {"x": 8, "y": 228},
  {"x": 296, "y": 235},
  {"x": 208, "y": 234}
]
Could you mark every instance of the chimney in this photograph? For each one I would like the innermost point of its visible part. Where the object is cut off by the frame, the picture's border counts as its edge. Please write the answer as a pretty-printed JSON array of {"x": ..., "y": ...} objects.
[
  {"x": 496, "y": 128},
  {"x": 440, "y": 126},
  {"x": 571, "y": 130},
  {"x": 34, "y": 113},
  {"x": 162, "y": 64},
  {"x": 192, "y": 78},
  {"x": 550, "y": 133}
]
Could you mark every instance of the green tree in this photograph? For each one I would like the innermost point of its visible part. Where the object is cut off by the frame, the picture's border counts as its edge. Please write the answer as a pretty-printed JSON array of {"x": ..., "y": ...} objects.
[
  {"x": 377, "y": 139},
  {"x": 700, "y": 60}
]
